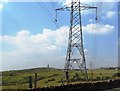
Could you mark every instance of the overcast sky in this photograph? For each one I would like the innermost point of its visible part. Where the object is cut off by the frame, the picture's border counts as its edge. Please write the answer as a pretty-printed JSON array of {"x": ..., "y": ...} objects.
[{"x": 30, "y": 38}]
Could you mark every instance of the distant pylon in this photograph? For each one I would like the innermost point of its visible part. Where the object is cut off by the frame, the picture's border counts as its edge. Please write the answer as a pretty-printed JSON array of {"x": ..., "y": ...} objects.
[{"x": 75, "y": 51}]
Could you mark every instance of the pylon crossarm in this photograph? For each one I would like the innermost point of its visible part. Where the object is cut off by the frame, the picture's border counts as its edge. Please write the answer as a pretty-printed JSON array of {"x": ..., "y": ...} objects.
[
  {"x": 69, "y": 8},
  {"x": 76, "y": 7}
]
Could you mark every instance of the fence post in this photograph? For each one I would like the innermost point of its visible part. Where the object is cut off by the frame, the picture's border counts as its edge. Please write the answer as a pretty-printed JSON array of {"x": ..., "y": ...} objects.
[
  {"x": 35, "y": 80},
  {"x": 30, "y": 81}
]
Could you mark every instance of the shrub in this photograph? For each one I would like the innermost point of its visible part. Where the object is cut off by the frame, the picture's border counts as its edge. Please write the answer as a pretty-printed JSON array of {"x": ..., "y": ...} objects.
[{"x": 52, "y": 79}]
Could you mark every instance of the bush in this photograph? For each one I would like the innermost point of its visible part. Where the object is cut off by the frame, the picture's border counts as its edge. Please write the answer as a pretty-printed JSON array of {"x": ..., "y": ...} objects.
[
  {"x": 52, "y": 79},
  {"x": 98, "y": 78},
  {"x": 105, "y": 77},
  {"x": 116, "y": 75}
]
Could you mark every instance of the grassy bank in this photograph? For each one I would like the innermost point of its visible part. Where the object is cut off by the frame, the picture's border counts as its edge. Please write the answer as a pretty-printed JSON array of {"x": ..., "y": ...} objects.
[{"x": 49, "y": 77}]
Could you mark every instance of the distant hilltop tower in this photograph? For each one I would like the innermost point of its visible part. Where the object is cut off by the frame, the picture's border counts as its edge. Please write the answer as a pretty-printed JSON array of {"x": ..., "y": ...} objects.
[
  {"x": 48, "y": 66},
  {"x": 75, "y": 57}
]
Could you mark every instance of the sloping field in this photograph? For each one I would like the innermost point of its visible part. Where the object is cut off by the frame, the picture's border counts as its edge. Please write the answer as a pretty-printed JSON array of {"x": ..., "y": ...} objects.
[{"x": 48, "y": 77}]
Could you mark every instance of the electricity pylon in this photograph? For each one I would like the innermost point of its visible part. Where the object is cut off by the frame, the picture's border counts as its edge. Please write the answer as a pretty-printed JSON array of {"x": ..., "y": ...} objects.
[{"x": 75, "y": 52}]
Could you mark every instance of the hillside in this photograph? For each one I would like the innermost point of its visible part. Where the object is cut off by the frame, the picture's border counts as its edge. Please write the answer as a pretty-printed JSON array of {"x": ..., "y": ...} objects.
[{"x": 48, "y": 77}]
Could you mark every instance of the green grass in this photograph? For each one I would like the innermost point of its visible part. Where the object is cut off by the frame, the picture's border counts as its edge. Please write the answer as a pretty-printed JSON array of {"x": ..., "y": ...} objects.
[{"x": 19, "y": 79}]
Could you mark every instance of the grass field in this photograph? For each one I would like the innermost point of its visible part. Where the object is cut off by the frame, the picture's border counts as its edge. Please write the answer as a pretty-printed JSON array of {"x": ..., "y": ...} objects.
[{"x": 48, "y": 77}]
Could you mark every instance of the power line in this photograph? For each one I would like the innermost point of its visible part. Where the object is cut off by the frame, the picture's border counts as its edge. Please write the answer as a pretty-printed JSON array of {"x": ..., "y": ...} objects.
[
  {"x": 96, "y": 34},
  {"x": 46, "y": 9},
  {"x": 53, "y": 7},
  {"x": 92, "y": 37},
  {"x": 98, "y": 22},
  {"x": 41, "y": 4}
]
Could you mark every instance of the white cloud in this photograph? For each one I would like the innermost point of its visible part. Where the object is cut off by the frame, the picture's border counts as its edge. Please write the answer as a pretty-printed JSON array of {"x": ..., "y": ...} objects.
[
  {"x": 48, "y": 39},
  {"x": 109, "y": 14},
  {"x": 90, "y": 20},
  {"x": 6, "y": 0},
  {"x": 85, "y": 50},
  {"x": 43, "y": 48},
  {"x": 98, "y": 28},
  {"x": 1, "y": 6},
  {"x": 51, "y": 47},
  {"x": 0, "y": 38},
  {"x": 35, "y": 50}
]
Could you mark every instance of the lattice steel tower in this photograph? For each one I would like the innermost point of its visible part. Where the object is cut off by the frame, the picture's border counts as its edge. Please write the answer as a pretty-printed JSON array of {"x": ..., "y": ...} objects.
[{"x": 75, "y": 52}]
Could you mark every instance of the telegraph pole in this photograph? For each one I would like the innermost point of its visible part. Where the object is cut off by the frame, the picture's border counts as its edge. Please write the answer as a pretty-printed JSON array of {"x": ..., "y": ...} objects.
[{"x": 75, "y": 41}]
